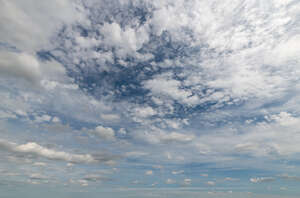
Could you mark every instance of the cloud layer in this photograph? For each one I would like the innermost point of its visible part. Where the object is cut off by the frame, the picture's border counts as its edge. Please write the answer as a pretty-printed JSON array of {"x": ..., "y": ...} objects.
[{"x": 166, "y": 90}]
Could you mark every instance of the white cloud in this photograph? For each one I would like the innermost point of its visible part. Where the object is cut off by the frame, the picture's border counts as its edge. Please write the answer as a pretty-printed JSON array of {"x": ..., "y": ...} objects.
[
  {"x": 211, "y": 183},
  {"x": 162, "y": 137},
  {"x": 136, "y": 182},
  {"x": 55, "y": 119},
  {"x": 176, "y": 137},
  {"x": 149, "y": 172},
  {"x": 135, "y": 154},
  {"x": 38, "y": 176},
  {"x": 41, "y": 164},
  {"x": 229, "y": 53},
  {"x": 95, "y": 178},
  {"x": 187, "y": 181},
  {"x": 105, "y": 133},
  {"x": 19, "y": 65},
  {"x": 157, "y": 166},
  {"x": 145, "y": 112},
  {"x": 178, "y": 172},
  {"x": 82, "y": 182},
  {"x": 42, "y": 118},
  {"x": 262, "y": 179},
  {"x": 170, "y": 181},
  {"x": 231, "y": 179},
  {"x": 289, "y": 177},
  {"x": 164, "y": 86},
  {"x": 122, "y": 131},
  {"x": 128, "y": 40},
  {"x": 110, "y": 117},
  {"x": 32, "y": 148},
  {"x": 23, "y": 23}
]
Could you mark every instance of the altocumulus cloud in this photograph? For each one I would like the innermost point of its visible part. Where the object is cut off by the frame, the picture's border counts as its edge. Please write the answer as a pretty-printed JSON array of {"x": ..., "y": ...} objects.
[{"x": 190, "y": 87}]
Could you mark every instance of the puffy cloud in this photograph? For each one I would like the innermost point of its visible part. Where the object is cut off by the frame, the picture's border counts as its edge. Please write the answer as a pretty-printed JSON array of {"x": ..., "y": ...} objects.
[
  {"x": 105, "y": 133},
  {"x": 128, "y": 39},
  {"x": 158, "y": 64},
  {"x": 19, "y": 65},
  {"x": 145, "y": 112},
  {"x": 43, "y": 118},
  {"x": 55, "y": 119},
  {"x": 163, "y": 86},
  {"x": 23, "y": 24}
]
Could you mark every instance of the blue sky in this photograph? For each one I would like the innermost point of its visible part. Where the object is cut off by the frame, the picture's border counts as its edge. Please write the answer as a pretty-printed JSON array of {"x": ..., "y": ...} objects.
[{"x": 143, "y": 98}]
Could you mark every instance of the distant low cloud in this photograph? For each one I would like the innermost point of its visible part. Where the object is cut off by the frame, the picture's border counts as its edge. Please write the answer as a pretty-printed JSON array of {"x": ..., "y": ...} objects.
[
  {"x": 149, "y": 172},
  {"x": 32, "y": 148},
  {"x": 170, "y": 181},
  {"x": 262, "y": 179}
]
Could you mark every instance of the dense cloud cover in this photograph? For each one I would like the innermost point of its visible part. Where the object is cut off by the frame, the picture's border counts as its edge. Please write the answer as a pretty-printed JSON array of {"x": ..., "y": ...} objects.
[{"x": 198, "y": 96}]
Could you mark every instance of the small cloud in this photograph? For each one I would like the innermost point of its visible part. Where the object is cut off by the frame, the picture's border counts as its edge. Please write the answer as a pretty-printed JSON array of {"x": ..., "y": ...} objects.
[
  {"x": 95, "y": 178},
  {"x": 187, "y": 181},
  {"x": 42, "y": 164},
  {"x": 110, "y": 117},
  {"x": 70, "y": 164},
  {"x": 177, "y": 172},
  {"x": 262, "y": 179},
  {"x": 105, "y": 133},
  {"x": 176, "y": 137},
  {"x": 149, "y": 172},
  {"x": 37, "y": 176},
  {"x": 157, "y": 167},
  {"x": 122, "y": 131},
  {"x": 136, "y": 182},
  {"x": 211, "y": 183},
  {"x": 144, "y": 112},
  {"x": 289, "y": 177},
  {"x": 43, "y": 118},
  {"x": 170, "y": 181},
  {"x": 283, "y": 188},
  {"x": 55, "y": 119},
  {"x": 135, "y": 154},
  {"x": 83, "y": 182},
  {"x": 231, "y": 179}
]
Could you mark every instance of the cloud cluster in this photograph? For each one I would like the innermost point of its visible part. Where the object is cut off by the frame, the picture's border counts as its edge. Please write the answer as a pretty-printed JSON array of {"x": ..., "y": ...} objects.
[{"x": 172, "y": 83}]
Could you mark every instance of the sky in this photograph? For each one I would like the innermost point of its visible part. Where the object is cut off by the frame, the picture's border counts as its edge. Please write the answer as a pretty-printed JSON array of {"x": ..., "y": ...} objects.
[{"x": 140, "y": 98}]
